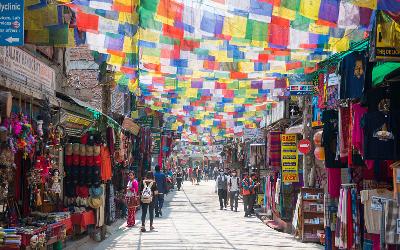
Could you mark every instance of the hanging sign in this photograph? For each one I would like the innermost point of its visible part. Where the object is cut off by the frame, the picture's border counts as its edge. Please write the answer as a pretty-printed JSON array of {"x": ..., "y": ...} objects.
[
  {"x": 289, "y": 158},
  {"x": 131, "y": 126},
  {"x": 301, "y": 89},
  {"x": 155, "y": 142},
  {"x": 146, "y": 121},
  {"x": 11, "y": 22},
  {"x": 385, "y": 42},
  {"x": 304, "y": 146}
]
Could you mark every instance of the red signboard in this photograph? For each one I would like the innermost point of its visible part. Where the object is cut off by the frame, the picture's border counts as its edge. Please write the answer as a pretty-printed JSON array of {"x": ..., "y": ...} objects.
[{"x": 304, "y": 146}]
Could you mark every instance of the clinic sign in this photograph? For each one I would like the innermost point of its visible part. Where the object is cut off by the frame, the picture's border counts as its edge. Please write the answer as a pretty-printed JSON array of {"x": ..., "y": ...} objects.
[
  {"x": 11, "y": 22},
  {"x": 289, "y": 158}
]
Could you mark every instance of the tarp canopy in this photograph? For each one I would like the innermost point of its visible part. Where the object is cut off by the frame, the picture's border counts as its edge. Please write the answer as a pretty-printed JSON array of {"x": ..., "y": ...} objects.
[{"x": 381, "y": 71}]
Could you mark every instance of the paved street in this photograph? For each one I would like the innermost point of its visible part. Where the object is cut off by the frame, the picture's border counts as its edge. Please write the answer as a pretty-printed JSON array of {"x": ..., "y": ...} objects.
[{"x": 192, "y": 220}]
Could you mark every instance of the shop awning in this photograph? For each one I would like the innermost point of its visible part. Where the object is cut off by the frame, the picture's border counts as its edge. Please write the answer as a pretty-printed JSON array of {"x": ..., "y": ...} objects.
[
  {"x": 94, "y": 111},
  {"x": 381, "y": 71}
]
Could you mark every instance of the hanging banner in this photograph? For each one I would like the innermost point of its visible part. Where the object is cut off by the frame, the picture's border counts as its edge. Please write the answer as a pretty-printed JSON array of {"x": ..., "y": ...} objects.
[
  {"x": 385, "y": 44},
  {"x": 146, "y": 121},
  {"x": 155, "y": 142},
  {"x": 289, "y": 158}
]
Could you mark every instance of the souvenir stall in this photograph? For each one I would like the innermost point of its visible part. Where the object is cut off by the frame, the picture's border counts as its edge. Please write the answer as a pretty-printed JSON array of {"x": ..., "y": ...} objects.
[
  {"x": 359, "y": 146},
  {"x": 31, "y": 163}
]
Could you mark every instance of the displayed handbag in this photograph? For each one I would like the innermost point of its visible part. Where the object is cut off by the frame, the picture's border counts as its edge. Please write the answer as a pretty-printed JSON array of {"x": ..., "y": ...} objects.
[{"x": 132, "y": 201}]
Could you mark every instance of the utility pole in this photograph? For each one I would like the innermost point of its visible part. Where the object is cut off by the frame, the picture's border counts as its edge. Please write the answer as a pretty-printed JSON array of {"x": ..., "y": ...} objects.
[{"x": 308, "y": 165}]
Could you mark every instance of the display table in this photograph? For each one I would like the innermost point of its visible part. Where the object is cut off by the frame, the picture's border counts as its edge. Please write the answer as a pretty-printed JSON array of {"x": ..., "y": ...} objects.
[
  {"x": 83, "y": 219},
  {"x": 68, "y": 224}
]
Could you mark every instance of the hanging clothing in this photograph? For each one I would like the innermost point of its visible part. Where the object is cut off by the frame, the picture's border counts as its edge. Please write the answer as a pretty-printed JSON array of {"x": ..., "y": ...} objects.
[
  {"x": 392, "y": 216},
  {"x": 372, "y": 208},
  {"x": 105, "y": 171}
]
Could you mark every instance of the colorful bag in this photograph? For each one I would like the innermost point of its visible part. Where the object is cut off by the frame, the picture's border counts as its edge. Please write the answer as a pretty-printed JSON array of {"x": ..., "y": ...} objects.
[{"x": 132, "y": 201}]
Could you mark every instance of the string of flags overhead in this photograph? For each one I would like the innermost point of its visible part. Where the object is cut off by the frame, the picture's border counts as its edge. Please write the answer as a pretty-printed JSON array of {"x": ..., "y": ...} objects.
[{"x": 211, "y": 66}]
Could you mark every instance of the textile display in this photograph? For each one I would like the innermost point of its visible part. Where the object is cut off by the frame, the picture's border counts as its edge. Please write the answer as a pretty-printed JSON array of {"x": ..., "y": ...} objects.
[
  {"x": 392, "y": 217},
  {"x": 274, "y": 148},
  {"x": 373, "y": 209},
  {"x": 83, "y": 219},
  {"x": 347, "y": 234}
]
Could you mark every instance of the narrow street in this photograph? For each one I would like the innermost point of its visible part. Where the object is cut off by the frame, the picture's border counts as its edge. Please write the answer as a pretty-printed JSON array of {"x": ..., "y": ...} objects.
[{"x": 192, "y": 220}]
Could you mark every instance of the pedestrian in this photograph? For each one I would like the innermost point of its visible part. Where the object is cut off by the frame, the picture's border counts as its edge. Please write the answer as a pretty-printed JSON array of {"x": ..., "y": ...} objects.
[
  {"x": 161, "y": 181},
  {"x": 190, "y": 173},
  {"x": 215, "y": 173},
  {"x": 179, "y": 178},
  {"x": 254, "y": 192},
  {"x": 194, "y": 176},
  {"x": 206, "y": 173},
  {"x": 149, "y": 190},
  {"x": 132, "y": 191},
  {"x": 221, "y": 187},
  {"x": 198, "y": 175},
  {"x": 233, "y": 186},
  {"x": 247, "y": 187}
]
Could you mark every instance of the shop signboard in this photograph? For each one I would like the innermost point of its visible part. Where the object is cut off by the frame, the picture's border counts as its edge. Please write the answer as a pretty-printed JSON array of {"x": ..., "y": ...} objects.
[
  {"x": 27, "y": 69},
  {"x": 301, "y": 89},
  {"x": 11, "y": 22},
  {"x": 277, "y": 112},
  {"x": 155, "y": 142},
  {"x": 74, "y": 125},
  {"x": 131, "y": 126},
  {"x": 385, "y": 41},
  {"x": 289, "y": 158},
  {"x": 146, "y": 121}
]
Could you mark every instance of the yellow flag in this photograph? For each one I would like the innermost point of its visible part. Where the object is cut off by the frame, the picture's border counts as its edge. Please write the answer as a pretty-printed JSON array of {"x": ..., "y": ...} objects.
[
  {"x": 310, "y": 8},
  {"x": 235, "y": 26},
  {"x": 371, "y": 4}
]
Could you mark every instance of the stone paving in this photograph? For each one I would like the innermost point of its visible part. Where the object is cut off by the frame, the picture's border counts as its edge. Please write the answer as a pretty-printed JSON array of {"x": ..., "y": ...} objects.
[{"x": 192, "y": 220}]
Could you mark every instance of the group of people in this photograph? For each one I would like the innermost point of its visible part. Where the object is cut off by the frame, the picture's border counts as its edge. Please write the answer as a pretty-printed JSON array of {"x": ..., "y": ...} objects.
[
  {"x": 150, "y": 194},
  {"x": 228, "y": 185}
]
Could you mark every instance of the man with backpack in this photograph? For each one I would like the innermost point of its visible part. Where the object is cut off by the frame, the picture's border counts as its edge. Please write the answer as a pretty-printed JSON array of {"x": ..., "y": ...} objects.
[
  {"x": 161, "y": 181},
  {"x": 233, "y": 186},
  {"x": 221, "y": 188},
  {"x": 148, "y": 190}
]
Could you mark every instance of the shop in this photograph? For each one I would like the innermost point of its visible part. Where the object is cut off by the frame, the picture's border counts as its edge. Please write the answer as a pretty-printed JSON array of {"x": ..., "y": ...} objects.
[
  {"x": 57, "y": 167},
  {"x": 352, "y": 201}
]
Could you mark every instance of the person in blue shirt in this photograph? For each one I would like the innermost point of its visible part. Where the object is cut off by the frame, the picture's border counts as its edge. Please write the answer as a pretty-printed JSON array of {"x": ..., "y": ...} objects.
[{"x": 161, "y": 181}]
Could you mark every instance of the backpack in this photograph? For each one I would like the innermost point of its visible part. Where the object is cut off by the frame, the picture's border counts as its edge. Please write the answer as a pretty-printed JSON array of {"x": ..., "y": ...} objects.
[
  {"x": 222, "y": 182},
  {"x": 147, "y": 194}
]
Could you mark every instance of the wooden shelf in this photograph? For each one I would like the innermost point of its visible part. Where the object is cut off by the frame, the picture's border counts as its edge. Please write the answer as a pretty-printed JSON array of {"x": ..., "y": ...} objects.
[{"x": 308, "y": 228}]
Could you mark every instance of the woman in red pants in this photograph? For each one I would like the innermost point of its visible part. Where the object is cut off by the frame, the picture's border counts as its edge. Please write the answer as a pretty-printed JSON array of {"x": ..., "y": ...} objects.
[{"x": 132, "y": 189}]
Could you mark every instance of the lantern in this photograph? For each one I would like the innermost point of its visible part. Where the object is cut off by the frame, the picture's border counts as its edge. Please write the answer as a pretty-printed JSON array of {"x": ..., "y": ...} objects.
[
  {"x": 318, "y": 138},
  {"x": 319, "y": 153}
]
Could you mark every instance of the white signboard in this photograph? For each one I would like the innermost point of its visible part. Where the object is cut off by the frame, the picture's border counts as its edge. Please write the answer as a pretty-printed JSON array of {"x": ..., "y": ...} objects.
[
  {"x": 277, "y": 112},
  {"x": 24, "y": 67}
]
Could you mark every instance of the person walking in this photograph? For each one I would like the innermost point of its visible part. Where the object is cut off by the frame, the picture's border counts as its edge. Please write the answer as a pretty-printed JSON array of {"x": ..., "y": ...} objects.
[
  {"x": 190, "y": 173},
  {"x": 179, "y": 178},
  {"x": 132, "y": 191},
  {"x": 149, "y": 190},
  {"x": 215, "y": 172},
  {"x": 194, "y": 176},
  {"x": 233, "y": 186},
  {"x": 161, "y": 181},
  {"x": 247, "y": 187},
  {"x": 221, "y": 187},
  {"x": 198, "y": 175},
  {"x": 253, "y": 198}
]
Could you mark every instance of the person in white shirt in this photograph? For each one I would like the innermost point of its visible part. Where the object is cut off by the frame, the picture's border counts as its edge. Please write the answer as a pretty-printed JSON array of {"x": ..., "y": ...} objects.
[{"x": 233, "y": 186}]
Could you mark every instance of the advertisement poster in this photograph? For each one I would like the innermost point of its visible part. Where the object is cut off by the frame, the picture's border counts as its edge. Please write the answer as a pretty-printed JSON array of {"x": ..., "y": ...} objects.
[{"x": 289, "y": 158}]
